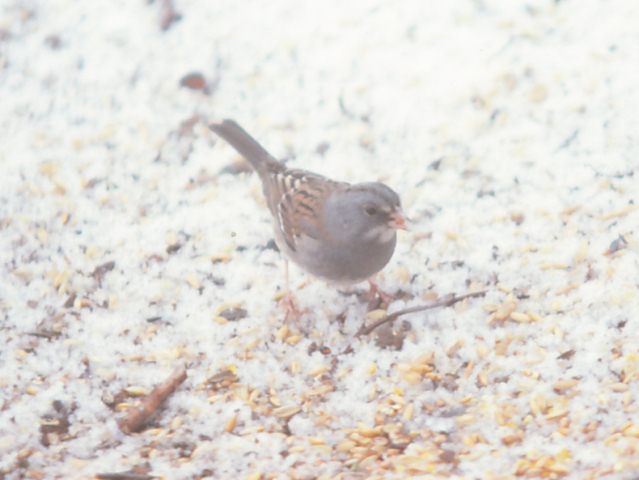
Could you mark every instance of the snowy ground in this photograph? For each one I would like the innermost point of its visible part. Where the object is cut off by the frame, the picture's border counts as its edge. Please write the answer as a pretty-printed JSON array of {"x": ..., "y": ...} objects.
[{"x": 127, "y": 235}]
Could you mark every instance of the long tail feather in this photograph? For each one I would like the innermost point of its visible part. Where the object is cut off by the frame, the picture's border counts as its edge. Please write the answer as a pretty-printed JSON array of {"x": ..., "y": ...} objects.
[{"x": 245, "y": 145}]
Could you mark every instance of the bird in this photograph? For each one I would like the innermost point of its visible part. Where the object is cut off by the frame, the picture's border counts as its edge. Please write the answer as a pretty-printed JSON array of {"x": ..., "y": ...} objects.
[{"x": 340, "y": 232}]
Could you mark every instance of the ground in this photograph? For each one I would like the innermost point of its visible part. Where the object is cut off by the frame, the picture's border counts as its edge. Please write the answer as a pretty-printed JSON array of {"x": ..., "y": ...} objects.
[{"x": 133, "y": 242}]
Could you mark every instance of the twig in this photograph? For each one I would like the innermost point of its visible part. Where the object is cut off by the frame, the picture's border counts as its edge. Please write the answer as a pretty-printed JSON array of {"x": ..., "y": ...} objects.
[
  {"x": 137, "y": 417},
  {"x": 48, "y": 334},
  {"x": 445, "y": 302},
  {"x": 124, "y": 476}
]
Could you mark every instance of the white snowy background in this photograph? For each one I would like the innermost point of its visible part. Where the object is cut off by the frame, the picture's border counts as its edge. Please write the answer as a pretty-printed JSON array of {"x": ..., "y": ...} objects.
[{"x": 132, "y": 241}]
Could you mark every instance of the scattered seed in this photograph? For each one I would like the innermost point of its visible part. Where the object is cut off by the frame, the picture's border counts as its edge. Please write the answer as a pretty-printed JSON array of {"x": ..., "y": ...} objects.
[{"x": 286, "y": 411}]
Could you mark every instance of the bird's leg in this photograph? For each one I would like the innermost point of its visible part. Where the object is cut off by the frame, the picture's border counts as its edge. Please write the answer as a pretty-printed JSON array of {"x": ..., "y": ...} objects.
[
  {"x": 375, "y": 299},
  {"x": 376, "y": 296},
  {"x": 288, "y": 300}
]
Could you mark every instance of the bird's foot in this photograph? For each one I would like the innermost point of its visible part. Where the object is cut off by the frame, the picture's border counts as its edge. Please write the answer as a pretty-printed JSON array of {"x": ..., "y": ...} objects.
[
  {"x": 290, "y": 306},
  {"x": 377, "y": 298}
]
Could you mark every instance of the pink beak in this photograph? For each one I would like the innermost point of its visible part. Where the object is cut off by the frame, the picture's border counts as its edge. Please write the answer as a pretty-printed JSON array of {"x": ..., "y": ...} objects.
[{"x": 398, "y": 220}]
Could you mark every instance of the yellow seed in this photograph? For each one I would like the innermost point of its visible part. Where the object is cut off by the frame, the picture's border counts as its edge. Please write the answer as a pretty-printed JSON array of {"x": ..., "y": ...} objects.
[
  {"x": 619, "y": 387},
  {"x": 350, "y": 462},
  {"x": 464, "y": 420},
  {"x": 367, "y": 432},
  {"x": 295, "y": 367},
  {"x": 227, "y": 306},
  {"x": 293, "y": 339},
  {"x": 566, "y": 289},
  {"x": 504, "y": 310},
  {"x": 193, "y": 281},
  {"x": 368, "y": 461},
  {"x": 176, "y": 423},
  {"x": 220, "y": 258},
  {"x": 469, "y": 369},
  {"x": 375, "y": 315},
  {"x": 316, "y": 372},
  {"x": 42, "y": 235},
  {"x": 24, "y": 453},
  {"x": 454, "y": 348},
  {"x": 60, "y": 278},
  {"x": 403, "y": 274},
  {"x": 83, "y": 303},
  {"x": 470, "y": 440},
  {"x": 582, "y": 252},
  {"x": 535, "y": 317},
  {"x": 427, "y": 358},
  {"x": 346, "y": 446},
  {"x": 430, "y": 296},
  {"x": 48, "y": 169},
  {"x": 231, "y": 424},
  {"x": 412, "y": 377},
  {"x": 122, "y": 407},
  {"x": 520, "y": 317},
  {"x": 490, "y": 307},
  {"x": 280, "y": 295},
  {"x": 537, "y": 404},
  {"x": 242, "y": 393},
  {"x": 408, "y": 412},
  {"x": 254, "y": 396},
  {"x": 631, "y": 431},
  {"x": 286, "y": 411},
  {"x": 556, "y": 412},
  {"x": 512, "y": 438},
  {"x": 450, "y": 235},
  {"x": 538, "y": 93},
  {"x": 501, "y": 346},
  {"x": 554, "y": 266},
  {"x": 282, "y": 333},
  {"x": 32, "y": 390},
  {"x": 562, "y": 385},
  {"x": 136, "y": 391},
  {"x": 324, "y": 449},
  {"x": 621, "y": 212}
]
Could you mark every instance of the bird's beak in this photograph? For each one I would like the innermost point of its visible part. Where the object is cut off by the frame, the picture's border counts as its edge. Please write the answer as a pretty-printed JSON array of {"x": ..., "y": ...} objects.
[{"x": 398, "y": 220}]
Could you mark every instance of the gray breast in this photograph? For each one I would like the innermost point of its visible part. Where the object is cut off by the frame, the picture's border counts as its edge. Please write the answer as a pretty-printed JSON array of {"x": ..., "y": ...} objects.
[{"x": 346, "y": 264}]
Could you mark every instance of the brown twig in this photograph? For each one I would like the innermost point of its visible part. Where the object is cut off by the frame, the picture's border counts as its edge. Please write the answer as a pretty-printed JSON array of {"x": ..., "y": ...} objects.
[
  {"x": 137, "y": 417},
  {"x": 445, "y": 302},
  {"x": 124, "y": 476}
]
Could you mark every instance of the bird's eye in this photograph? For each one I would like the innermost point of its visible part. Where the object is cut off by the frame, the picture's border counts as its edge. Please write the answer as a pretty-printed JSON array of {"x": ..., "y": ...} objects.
[{"x": 370, "y": 210}]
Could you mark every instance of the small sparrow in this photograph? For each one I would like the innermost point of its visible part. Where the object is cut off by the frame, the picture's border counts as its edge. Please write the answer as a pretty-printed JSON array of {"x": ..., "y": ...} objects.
[{"x": 343, "y": 233}]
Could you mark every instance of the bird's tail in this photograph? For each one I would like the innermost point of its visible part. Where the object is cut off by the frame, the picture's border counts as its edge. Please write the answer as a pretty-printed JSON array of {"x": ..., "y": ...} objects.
[{"x": 246, "y": 145}]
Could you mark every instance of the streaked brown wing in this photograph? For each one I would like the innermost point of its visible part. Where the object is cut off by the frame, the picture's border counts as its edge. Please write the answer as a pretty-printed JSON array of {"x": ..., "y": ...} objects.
[{"x": 298, "y": 210}]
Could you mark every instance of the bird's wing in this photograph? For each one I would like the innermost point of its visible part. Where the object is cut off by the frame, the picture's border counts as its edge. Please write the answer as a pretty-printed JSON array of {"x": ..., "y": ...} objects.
[{"x": 301, "y": 196}]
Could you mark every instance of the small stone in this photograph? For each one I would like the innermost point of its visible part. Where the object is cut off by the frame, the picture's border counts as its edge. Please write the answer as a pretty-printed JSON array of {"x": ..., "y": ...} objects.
[
  {"x": 194, "y": 81},
  {"x": 233, "y": 314}
]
